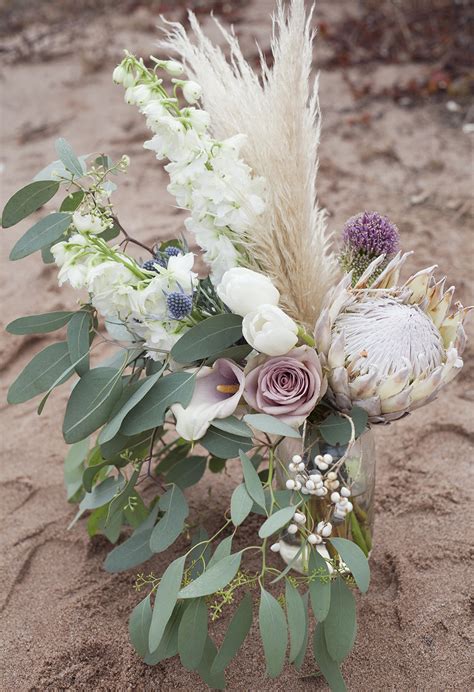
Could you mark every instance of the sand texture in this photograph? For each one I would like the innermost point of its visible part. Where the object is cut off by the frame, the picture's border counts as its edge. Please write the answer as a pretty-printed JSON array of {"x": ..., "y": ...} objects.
[{"x": 64, "y": 619}]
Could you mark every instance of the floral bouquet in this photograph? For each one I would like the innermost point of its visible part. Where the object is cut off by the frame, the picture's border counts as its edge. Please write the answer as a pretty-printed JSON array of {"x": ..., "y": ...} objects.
[{"x": 281, "y": 354}]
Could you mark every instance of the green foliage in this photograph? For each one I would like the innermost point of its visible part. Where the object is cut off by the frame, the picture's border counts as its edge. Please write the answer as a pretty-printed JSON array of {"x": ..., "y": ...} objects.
[
  {"x": 328, "y": 667},
  {"x": 355, "y": 560},
  {"x": 337, "y": 430},
  {"x": 215, "y": 577},
  {"x": 240, "y": 505},
  {"x": 150, "y": 411},
  {"x": 192, "y": 633},
  {"x": 187, "y": 471},
  {"x": 224, "y": 549},
  {"x": 91, "y": 402},
  {"x": 297, "y": 621},
  {"x": 207, "y": 338},
  {"x": 78, "y": 340},
  {"x": 139, "y": 626},
  {"x": 319, "y": 586},
  {"x": 175, "y": 508},
  {"x": 165, "y": 601},
  {"x": 43, "y": 234},
  {"x": 276, "y": 521},
  {"x": 135, "y": 550},
  {"x": 225, "y": 445},
  {"x": 235, "y": 636},
  {"x": 48, "y": 367},
  {"x": 72, "y": 201},
  {"x": 39, "y": 324},
  {"x": 232, "y": 425},
  {"x": 299, "y": 660},
  {"x": 69, "y": 158},
  {"x": 274, "y": 633},
  {"x": 271, "y": 425},
  {"x": 215, "y": 681},
  {"x": 27, "y": 200},
  {"x": 74, "y": 467},
  {"x": 253, "y": 483},
  {"x": 340, "y": 623}
]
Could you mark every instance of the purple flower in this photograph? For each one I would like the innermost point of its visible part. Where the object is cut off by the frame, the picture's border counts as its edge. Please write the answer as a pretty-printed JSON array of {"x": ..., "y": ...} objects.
[
  {"x": 287, "y": 387},
  {"x": 370, "y": 233}
]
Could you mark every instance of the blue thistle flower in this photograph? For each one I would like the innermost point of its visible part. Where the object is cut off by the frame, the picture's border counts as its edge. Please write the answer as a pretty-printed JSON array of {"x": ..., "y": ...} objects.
[
  {"x": 365, "y": 237},
  {"x": 150, "y": 265},
  {"x": 179, "y": 304},
  {"x": 173, "y": 251}
]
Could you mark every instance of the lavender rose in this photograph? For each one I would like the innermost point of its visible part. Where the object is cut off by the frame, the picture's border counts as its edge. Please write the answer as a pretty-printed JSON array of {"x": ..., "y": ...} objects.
[{"x": 287, "y": 387}]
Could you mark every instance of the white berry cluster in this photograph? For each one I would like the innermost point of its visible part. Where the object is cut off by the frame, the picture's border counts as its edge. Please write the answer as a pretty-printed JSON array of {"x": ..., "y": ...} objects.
[{"x": 207, "y": 176}]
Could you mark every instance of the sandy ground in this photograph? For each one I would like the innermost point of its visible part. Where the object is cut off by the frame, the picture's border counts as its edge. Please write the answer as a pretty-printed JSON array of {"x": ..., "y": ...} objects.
[{"x": 64, "y": 618}]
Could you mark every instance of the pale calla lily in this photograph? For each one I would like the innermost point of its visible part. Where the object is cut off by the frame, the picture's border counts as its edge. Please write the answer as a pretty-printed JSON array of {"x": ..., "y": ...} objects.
[{"x": 216, "y": 395}]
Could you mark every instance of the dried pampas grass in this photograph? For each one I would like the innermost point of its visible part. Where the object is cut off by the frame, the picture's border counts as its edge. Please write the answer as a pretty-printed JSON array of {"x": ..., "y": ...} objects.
[{"x": 279, "y": 113}]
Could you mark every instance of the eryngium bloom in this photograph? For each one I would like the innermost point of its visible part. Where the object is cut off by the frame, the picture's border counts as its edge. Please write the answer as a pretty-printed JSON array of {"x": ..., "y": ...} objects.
[
  {"x": 390, "y": 349},
  {"x": 365, "y": 237}
]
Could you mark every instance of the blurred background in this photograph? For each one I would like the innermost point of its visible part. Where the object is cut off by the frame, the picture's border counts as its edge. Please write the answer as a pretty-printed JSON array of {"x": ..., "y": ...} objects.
[{"x": 397, "y": 80}]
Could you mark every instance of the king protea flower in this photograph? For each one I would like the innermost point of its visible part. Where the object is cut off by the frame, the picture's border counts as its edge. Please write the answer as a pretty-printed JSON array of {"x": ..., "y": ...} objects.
[{"x": 390, "y": 349}]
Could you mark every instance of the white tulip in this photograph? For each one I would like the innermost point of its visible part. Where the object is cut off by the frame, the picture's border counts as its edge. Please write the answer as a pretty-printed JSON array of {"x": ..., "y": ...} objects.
[
  {"x": 191, "y": 91},
  {"x": 269, "y": 330},
  {"x": 244, "y": 290}
]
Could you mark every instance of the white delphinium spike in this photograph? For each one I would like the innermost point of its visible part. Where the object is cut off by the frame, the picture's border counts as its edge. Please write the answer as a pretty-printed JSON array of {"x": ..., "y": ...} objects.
[{"x": 279, "y": 113}]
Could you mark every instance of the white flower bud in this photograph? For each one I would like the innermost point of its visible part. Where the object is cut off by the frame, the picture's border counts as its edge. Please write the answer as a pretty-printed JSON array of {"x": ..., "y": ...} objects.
[
  {"x": 301, "y": 466},
  {"x": 292, "y": 528},
  {"x": 296, "y": 459},
  {"x": 128, "y": 79},
  {"x": 173, "y": 67},
  {"x": 335, "y": 497},
  {"x": 345, "y": 492},
  {"x": 343, "y": 501},
  {"x": 118, "y": 74},
  {"x": 290, "y": 484},
  {"x": 291, "y": 466},
  {"x": 275, "y": 548},
  {"x": 298, "y": 485},
  {"x": 305, "y": 491},
  {"x": 331, "y": 476},
  {"x": 315, "y": 476},
  {"x": 125, "y": 161},
  {"x": 82, "y": 222},
  {"x": 191, "y": 91},
  {"x": 314, "y": 539},
  {"x": 349, "y": 507},
  {"x": 322, "y": 465},
  {"x": 310, "y": 485},
  {"x": 327, "y": 458},
  {"x": 326, "y": 530},
  {"x": 299, "y": 518},
  {"x": 320, "y": 492}
]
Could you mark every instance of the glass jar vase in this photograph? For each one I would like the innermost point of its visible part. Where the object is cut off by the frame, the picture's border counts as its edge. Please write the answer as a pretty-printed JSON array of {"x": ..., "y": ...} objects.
[{"x": 355, "y": 468}]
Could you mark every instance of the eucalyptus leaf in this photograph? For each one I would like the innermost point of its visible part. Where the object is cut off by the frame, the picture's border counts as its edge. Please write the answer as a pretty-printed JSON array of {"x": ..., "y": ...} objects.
[
  {"x": 216, "y": 681},
  {"x": 223, "y": 550},
  {"x": 168, "y": 646},
  {"x": 355, "y": 560},
  {"x": 340, "y": 625},
  {"x": 46, "y": 368},
  {"x": 328, "y": 667},
  {"x": 69, "y": 158},
  {"x": 239, "y": 628},
  {"x": 320, "y": 585},
  {"x": 240, "y": 505},
  {"x": 270, "y": 424},
  {"x": 273, "y": 632},
  {"x": 225, "y": 445},
  {"x": 296, "y": 614},
  {"x": 139, "y": 626},
  {"x": 113, "y": 426},
  {"x": 210, "y": 336},
  {"x": 165, "y": 601},
  {"x": 214, "y": 578},
  {"x": 192, "y": 634},
  {"x": 276, "y": 521},
  {"x": 174, "y": 505},
  {"x": 91, "y": 402},
  {"x": 187, "y": 472},
  {"x": 253, "y": 483},
  {"x": 72, "y": 201},
  {"x": 27, "y": 200},
  {"x": 235, "y": 353},
  {"x": 42, "y": 234},
  {"x": 150, "y": 411},
  {"x": 121, "y": 443},
  {"x": 78, "y": 340},
  {"x": 120, "y": 501},
  {"x": 232, "y": 425},
  {"x": 299, "y": 660},
  {"x": 39, "y": 324},
  {"x": 73, "y": 467},
  {"x": 337, "y": 430},
  {"x": 199, "y": 555},
  {"x": 102, "y": 494}
]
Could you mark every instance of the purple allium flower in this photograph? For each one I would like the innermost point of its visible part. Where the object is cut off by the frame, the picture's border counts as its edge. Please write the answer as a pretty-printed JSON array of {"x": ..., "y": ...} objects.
[
  {"x": 365, "y": 237},
  {"x": 371, "y": 233},
  {"x": 179, "y": 305}
]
